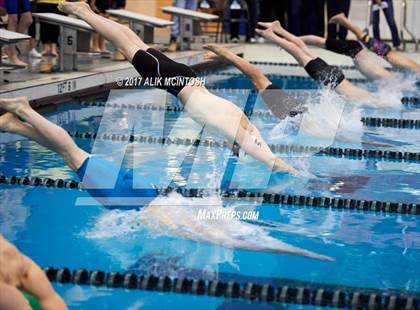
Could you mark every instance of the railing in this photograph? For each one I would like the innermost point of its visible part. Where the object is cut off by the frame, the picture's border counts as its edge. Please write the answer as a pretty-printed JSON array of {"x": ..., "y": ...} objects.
[
  {"x": 369, "y": 17},
  {"x": 403, "y": 26}
]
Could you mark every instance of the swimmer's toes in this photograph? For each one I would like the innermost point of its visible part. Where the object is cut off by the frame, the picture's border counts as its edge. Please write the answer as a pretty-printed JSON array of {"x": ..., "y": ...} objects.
[
  {"x": 13, "y": 104},
  {"x": 72, "y": 7},
  {"x": 7, "y": 120},
  {"x": 209, "y": 55}
]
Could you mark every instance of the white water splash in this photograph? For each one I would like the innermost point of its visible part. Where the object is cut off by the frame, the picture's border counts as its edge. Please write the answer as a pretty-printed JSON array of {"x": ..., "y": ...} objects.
[
  {"x": 178, "y": 216},
  {"x": 391, "y": 91},
  {"x": 328, "y": 118}
]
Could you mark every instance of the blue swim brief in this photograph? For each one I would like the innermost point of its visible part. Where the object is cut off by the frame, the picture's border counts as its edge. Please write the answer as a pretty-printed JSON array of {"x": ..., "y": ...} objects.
[
  {"x": 113, "y": 186},
  {"x": 17, "y": 6}
]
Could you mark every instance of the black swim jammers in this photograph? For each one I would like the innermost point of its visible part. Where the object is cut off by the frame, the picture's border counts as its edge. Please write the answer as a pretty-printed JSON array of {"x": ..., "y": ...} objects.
[
  {"x": 153, "y": 64},
  {"x": 323, "y": 73},
  {"x": 280, "y": 103},
  {"x": 349, "y": 48}
]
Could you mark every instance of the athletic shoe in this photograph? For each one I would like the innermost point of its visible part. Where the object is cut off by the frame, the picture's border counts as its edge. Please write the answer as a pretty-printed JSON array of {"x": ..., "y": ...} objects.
[{"x": 35, "y": 54}]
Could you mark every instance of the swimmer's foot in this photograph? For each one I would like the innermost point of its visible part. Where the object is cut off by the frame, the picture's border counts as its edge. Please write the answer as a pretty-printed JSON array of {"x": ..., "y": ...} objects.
[
  {"x": 9, "y": 122},
  {"x": 267, "y": 33},
  {"x": 215, "y": 51},
  {"x": 74, "y": 8},
  {"x": 14, "y": 105},
  {"x": 336, "y": 19},
  {"x": 275, "y": 25}
]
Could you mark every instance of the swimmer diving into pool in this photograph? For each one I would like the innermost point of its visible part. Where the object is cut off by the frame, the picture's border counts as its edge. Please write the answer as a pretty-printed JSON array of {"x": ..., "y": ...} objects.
[
  {"x": 21, "y": 119},
  {"x": 280, "y": 103},
  {"x": 317, "y": 68},
  {"x": 23, "y": 285},
  {"x": 362, "y": 59},
  {"x": 382, "y": 49},
  {"x": 204, "y": 107}
]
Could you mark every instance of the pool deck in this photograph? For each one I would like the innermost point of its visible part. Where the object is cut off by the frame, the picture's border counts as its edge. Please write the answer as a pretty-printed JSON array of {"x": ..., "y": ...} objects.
[
  {"x": 94, "y": 74},
  {"x": 99, "y": 74}
]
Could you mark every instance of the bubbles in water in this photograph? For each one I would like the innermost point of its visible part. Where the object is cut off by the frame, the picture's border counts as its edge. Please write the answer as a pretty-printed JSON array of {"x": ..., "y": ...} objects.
[{"x": 391, "y": 91}]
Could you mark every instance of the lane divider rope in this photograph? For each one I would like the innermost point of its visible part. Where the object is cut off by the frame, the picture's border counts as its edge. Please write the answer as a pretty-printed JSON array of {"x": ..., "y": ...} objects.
[
  {"x": 286, "y": 292},
  {"x": 267, "y": 198},
  {"x": 276, "y": 148},
  {"x": 281, "y": 76},
  {"x": 391, "y": 122},
  {"x": 367, "y": 121},
  {"x": 288, "y": 64}
]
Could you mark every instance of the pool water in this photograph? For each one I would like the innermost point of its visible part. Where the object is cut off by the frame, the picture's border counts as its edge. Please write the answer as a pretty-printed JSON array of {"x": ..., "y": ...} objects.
[{"x": 372, "y": 250}]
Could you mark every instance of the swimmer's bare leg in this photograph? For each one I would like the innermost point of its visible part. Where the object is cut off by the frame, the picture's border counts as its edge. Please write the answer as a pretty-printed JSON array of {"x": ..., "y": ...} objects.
[
  {"x": 342, "y": 20},
  {"x": 350, "y": 90},
  {"x": 45, "y": 132},
  {"x": 279, "y": 30},
  {"x": 249, "y": 138},
  {"x": 230, "y": 120},
  {"x": 401, "y": 61},
  {"x": 367, "y": 65},
  {"x": 11, "y": 124},
  {"x": 313, "y": 40},
  {"x": 301, "y": 57},
  {"x": 260, "y": 81},
  {"x": 119, "y": 35}
]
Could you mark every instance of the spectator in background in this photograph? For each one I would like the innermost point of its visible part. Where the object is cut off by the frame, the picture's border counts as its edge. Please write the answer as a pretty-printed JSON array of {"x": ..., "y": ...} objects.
[
  {"x": 118, "y": 4},
  {"x": 273, "y": 10},
  {"x": 335, "y": 7},
  {"x": 98, "y": 42},
  {"x": 33, "y": 53},
  {"x": 20, "y": 18},
  {"x": 388, "y": 9},
  {"x": 294, "y": 17},
  {"x": 3, "y": 14},
  {"x": 238, "y": 11},
  {"x": 49, "y": 33},
  {"x": 288, "y": 12},
  {"x": 185, "y": 4},
  {"x": 313, "y": 17}
]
